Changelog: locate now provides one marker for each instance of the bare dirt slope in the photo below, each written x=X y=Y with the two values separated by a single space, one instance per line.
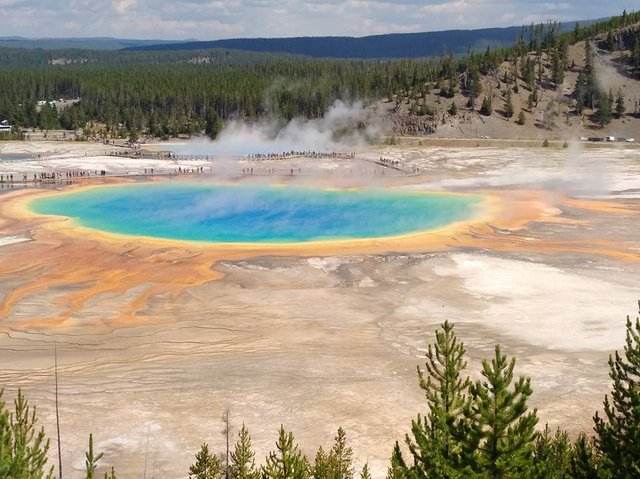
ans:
x=613 y=75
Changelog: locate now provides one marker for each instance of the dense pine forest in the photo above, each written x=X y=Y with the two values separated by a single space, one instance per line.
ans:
x=470 y=429
x=186 y=92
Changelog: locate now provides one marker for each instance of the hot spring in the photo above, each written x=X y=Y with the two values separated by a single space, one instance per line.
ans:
x=256 y=214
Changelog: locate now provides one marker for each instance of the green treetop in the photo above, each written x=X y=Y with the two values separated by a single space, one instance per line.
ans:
x=620 y=106
x=552 y=454
x=23 y=448
x=338 y=463
x=365 y=474
x=605 y=109
x=509 y=109
x=584 y=461
x=501 y=431
x=243 y=465
x=287 y=462
x=487 y=106
x=618 y=431
x=435 y=443
x=207 y=465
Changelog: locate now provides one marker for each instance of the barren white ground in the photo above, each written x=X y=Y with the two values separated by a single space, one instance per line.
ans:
x=320 y=342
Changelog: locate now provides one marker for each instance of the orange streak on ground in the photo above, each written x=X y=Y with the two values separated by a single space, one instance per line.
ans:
x=603 y=206
x=91 y=265
x=485 y=238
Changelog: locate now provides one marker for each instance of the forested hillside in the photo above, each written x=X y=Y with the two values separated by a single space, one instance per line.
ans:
x=398 y=45
x=558 y=85
x=185 y=92
x=395 y=45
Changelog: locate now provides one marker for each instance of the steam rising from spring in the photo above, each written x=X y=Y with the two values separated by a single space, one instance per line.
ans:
x=340 y=129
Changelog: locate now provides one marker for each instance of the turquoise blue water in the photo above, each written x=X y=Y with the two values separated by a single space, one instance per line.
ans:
x=255 y=214
x=15 y=157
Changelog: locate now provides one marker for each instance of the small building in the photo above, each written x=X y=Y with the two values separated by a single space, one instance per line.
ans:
x=5 y=127
x=59 y=104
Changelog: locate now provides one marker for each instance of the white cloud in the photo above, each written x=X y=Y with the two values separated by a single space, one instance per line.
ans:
x=213 y=19
x=377 y=5
x=121 y=6
x=458 y=6
x=554 y=7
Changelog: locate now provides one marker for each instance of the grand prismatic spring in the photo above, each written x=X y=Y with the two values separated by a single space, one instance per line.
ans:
x=254 y=214
x=170 y=300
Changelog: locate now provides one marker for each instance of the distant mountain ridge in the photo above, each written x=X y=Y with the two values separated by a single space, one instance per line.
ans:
x=92 y=43
x=392 y=45
x=384 y=46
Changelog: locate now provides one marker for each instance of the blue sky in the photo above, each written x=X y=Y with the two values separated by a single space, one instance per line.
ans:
x=214 y=19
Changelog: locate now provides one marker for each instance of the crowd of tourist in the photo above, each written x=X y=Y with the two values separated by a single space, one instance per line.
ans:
x=299 y=154
x=159 y=155
x=287 y=170
x=187 y=171
x=389 y=162
x=51 y=176
x=415 y=170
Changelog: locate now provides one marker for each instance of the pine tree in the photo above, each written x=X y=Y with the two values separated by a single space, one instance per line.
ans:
x=620 y=107
x=584 y=464
x=605 y=109
x=398 y=468
x=435 y=445
x=322 y=465
x=243 y=465
x=6 y=439
x=509 y=110
x=557 y=67
x=365 y=474
x=618 y=432
x=23 y=449
x=213 y=125
x=476 y=84
x=451 y=91
x=342 y=457
x=207 y=465
x=287 y=462
x=576 y=32
x=532 y=100
x=48 y=117
x=501 y=431
x=453 y=111
x=521 y=118
x=587 y=92
x=552 y=454
x=487 y=107
x=529 y=74
x=611 y=43
x=473 y=85
x=540 y=69
x=91 y=460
